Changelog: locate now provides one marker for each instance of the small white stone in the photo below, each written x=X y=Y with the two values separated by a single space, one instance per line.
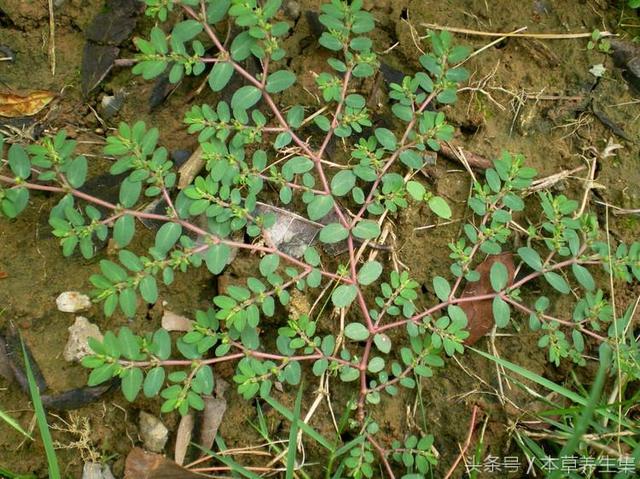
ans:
x=95 y=470
x=72 y=302
x=154 y=434
x=78 y=344
x=174 y=322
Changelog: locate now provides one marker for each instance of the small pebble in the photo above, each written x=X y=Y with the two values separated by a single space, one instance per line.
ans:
x=292 y=9
x=95 y=470
x=175 y=322
x=78 y=344
x=72 y=302
x=153 y=432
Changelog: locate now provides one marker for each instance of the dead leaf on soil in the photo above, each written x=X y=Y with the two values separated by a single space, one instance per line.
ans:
x=214 y=409
x=183 y=438
x=141 y=464
x=13 y=105
x=480 y=313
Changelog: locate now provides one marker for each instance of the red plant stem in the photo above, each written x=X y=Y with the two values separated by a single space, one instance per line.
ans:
x=393 y=157
x=467 y=443
x=518 y=284
x=269 y=101
x=183 y=223
x=383 y=455
x=230 y=357
x=546 y=317
x=316 y=157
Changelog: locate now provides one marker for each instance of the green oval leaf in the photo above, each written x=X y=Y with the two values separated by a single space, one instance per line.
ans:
x=217 y=257
x=441 y=288
x=167 y=236
x=333 y=233
x=440 y=207
x=356 y=331
x=498 y=276
x=531 y=258
x=583 y=276
x=123 y=230
x=366 y=229
x=320 y=207
x=131 y=383
x=343 y=182
x=245 y=97
x=557 y=282
x=369 y=272
x=279 y=81
x=344 y=295
x=501 y=311
x=220 y=75
x=153 y=382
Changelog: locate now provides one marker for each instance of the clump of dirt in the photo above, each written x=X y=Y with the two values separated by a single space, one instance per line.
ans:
x=525 y=95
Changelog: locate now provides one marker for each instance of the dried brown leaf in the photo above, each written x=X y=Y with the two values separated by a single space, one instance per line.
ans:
x=13 y=105
x=183 y=438
x=480 y=313
x=214 y=409
x=141 y=464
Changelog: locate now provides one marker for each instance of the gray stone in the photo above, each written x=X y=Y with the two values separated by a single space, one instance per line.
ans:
x=154 y=434
x=78 y=344
x=95 y=470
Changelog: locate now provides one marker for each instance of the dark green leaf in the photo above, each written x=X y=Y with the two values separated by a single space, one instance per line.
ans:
x=217 y=257
x=279 y=81
x=501 y=311
x=499 y=276
x=153 y=382
x=369 y=272
x=366 y=229
x=558 y=282
x=131 y=383
x=441 y=288
x=220 y=75
x=344 y=295
x=245 y=97
x=167 y=236
x=531 y=258
x=77 y=172
x=356 y=331
x=333 y=233
x=583 y=276
x=319 y=207
x=123 y=230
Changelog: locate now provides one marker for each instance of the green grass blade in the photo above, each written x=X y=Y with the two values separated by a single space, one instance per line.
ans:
x=14 y=424
x=544 y=382
x=45 y=434
x=594 y=397
x=293 y=436
x=312 y=433
x=6 y=474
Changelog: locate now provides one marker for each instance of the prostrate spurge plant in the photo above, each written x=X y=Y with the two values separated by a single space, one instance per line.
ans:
x=247 y=148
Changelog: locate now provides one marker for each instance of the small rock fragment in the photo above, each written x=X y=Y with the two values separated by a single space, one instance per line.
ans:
x=292 y=9
x=153 y=432
x=72 y=302
x=78 y=344
x=174 y=322
x=95 y=470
